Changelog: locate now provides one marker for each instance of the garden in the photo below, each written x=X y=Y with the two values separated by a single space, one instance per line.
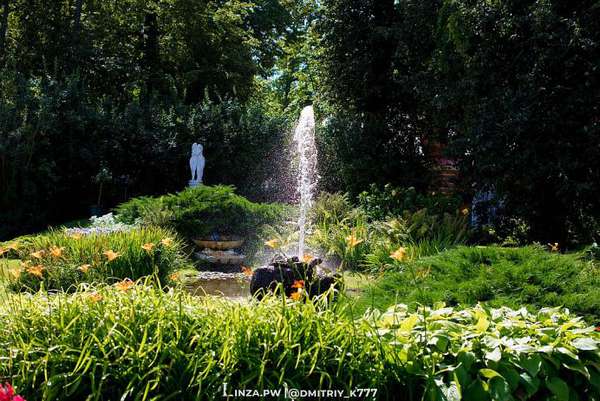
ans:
x=390 y=200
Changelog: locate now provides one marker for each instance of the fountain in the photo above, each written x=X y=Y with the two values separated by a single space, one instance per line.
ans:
x=298 y=274
x=304 y=137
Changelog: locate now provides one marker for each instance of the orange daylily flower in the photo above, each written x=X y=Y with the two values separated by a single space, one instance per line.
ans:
x=352 y=240
x=38 y=254
x=554 y=247
x=307 y=258
x=56 y=252
x=274 y=243
x=36 y=270
x=298 y=284
x=174 y=277
x=84 y=268
x=95 y=297
x=247 y=271
x=296 y=296
x=148 y=247
x=167 y=241
x=399 y=254
x=111 y=255
x=125 y=285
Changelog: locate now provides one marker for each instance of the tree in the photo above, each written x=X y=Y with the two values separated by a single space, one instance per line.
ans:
x=529 y=87
x=4 y=26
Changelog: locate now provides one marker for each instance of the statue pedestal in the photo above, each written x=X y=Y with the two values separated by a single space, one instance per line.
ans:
x=194 y=183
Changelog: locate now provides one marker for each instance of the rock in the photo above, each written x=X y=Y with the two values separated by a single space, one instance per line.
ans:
x=287 y=272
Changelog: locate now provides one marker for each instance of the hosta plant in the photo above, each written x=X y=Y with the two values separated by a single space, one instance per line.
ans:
x=495 y=354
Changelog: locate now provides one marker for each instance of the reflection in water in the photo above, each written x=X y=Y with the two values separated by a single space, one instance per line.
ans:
x=225 y=285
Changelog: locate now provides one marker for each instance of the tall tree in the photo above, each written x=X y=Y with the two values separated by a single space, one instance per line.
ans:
x=4 y=26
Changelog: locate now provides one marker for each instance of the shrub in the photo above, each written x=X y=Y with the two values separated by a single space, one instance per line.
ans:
x=202 y=211
x=360 y=243
x=330 y=208
x=57 y=260
x=144 y=343
x=381 y=203
x=499 y=276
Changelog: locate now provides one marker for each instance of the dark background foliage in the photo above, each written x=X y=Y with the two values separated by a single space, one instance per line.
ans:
x=118 y=91
x=510 y=89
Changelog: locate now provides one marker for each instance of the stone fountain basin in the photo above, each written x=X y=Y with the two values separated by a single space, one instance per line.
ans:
x=228 y=257
x=223 y=243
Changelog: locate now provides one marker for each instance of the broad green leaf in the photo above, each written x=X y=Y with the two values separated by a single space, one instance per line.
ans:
x=482 y=324
x=559 y=388
x=532 y=363
x=466 y=358
x=510 y=374
x=585 y=344
x=531 y=384
x=494 y=355
x=409 y=323
x=499 y=389
x=489 y=373
x=477 y=390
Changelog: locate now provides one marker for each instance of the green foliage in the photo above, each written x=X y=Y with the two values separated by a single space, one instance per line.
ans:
x=495 y=354
x=511 y=87
x=498 y=276
x=69 y=347
x=381 y=203
x=350 y=234
x=330 y=208
x=128 y=86
x=202 y=211
x=187 y=347
x=49 y=178
x=58 y=261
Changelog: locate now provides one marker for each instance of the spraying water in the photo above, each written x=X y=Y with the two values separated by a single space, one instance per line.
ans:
x=304 y=137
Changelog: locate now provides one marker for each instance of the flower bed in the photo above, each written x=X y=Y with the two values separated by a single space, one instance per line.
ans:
x=137 y=342
x=61 y=261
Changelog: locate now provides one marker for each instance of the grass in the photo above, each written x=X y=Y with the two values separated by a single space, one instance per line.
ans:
x=498 y=276
x=145 y=343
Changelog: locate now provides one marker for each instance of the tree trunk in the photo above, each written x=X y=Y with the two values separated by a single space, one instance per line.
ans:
x=3 y=26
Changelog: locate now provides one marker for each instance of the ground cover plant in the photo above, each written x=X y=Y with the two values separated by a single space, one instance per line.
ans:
x=142 y=342
x=61 y=260
x=201 y=212
x=498 y=276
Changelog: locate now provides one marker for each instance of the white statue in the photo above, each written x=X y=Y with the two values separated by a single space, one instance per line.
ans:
x=197 y=165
